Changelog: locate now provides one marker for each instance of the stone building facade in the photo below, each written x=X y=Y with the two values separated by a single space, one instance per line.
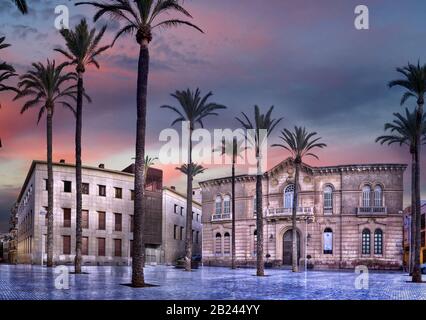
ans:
x=174 y=226
x=346 y=216
x=107 y=215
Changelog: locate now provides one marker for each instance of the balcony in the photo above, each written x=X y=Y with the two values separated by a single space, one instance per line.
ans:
x=372 y=211
x=221 y=217
x=276 y=212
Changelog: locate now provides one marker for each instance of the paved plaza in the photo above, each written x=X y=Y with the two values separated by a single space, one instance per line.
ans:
x=37 y=283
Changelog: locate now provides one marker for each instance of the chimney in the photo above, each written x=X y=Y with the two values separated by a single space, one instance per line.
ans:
x=101 y=166
x=62 y=161
x=173 y=188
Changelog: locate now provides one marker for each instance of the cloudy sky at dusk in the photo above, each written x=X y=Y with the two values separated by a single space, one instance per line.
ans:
x=305 y=57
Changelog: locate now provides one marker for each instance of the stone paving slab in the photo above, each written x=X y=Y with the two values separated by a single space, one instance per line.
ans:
x=25 y=282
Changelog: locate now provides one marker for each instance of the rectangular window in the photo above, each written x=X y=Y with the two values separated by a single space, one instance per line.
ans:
x=85 y=219
x=101 y=247
x=132 y=195
x=67 y=218
x=131 y=222
x=85 y=246
x=66 y=244
x=117 y=222
x=175 y=232
x=118 y=193
x=45 y=184
x=67 y=186
x=181 y=233
x=197 y=237
x=46 y=220
x=181 y=211
x=85 y=188
x=102 y=190
x=101 y=220
x=423 y=239
x=117 y=247
x=176 y=208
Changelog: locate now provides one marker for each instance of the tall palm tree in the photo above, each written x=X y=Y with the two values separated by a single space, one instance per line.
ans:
x=21 y=5
x=403 y=131
x=140 y=17
x=414 y=84
x=232 y=149
x=47 y=85
x=300 y=144
x=193 y=109
x=83 y=50
x=260 y=123
x=6 y=72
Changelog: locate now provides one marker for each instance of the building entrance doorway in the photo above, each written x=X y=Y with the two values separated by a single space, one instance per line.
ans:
x=288 y=247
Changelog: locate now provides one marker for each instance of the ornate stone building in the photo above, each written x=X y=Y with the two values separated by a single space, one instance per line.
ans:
x=347 y=215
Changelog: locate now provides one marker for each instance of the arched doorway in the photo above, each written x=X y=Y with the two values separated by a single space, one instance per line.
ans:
x=288 y=247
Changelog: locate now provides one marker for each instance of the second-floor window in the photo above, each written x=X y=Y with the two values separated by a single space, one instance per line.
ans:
x=67 y=218
x=378 y=196
x=288 y=196
x=366 y=192
x=227 y=205
x=117 y=222
x=328 y=199
x=85 y=219
x=101 y=220
x=218 y=205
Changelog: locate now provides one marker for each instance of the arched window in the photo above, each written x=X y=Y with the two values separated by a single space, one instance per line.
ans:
x=378 y=241
x=366 y=192
x=218 y=244
x=366 y=246
x=378 y=196
x=227 y=205
x=328 y=199
x=328 y=241
x=255 y=242
x=227 y=243
x=218 y=205
x=288 y=196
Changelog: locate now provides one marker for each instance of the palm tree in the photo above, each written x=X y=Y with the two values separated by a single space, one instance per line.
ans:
x=21 y=5
x=232 y=149
x=140 y=17
x=83 y=49
x=300 y=144
x=194 y=109
x=414 y=82
x=6 y=72
x=403 y=131
x=262 y=123
x=45 y=84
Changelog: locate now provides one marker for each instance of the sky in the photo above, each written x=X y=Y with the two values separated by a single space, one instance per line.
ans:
x=304 y=57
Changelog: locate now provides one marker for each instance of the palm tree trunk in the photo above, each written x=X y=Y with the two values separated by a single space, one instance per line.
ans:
x=259 y=223
x=295 y=262
x=413 y=213
x=188 y=234
x=417 y=275
x=138 y=260
x=233 y=211
x=79 y=201
x=49 y=188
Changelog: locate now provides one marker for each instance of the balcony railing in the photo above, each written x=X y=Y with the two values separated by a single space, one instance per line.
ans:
x=219 y=217
x=289 y=211
x=372 y=210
